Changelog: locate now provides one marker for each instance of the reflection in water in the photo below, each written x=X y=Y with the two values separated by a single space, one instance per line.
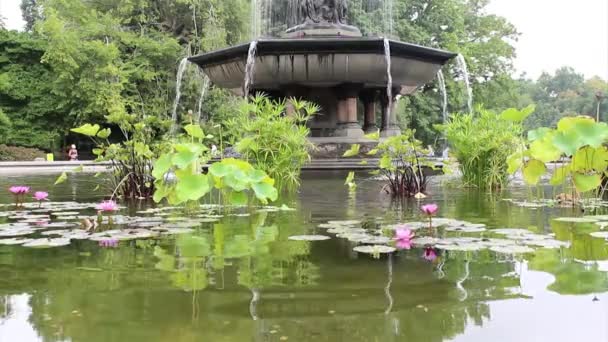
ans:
x=464 y=294
x=387 y=289
x=241 y=279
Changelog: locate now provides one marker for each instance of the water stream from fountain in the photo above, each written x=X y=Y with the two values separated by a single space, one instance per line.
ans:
x=462 y=65
x=183 y=65
x=444 y=96
x=388 y=17
x=249 y=67
x=204 y=89
x=389 y=83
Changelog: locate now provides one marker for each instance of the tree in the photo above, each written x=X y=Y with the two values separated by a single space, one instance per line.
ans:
x=31 y=12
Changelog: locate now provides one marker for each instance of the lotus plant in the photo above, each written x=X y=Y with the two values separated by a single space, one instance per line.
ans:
x=106 y=207
x=41 y=196
x=404 y=237
x=430 y=210
x=19 y=192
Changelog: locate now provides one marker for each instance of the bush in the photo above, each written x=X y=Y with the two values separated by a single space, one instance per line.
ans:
x=482 y=142
x=273 y=141
x=14 y=153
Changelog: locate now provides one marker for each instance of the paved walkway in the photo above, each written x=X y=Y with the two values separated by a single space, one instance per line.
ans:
x=56 y=167
x=44 y=167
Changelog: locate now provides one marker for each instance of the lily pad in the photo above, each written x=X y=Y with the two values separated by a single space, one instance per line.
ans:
x=14 y=241
x=374 y=249
x=510 y=231
x=461 y=247
x=601 y=235
x=425 y=241
x=514 y=249
x=547 y=243
x=345 y=223
x=587 y=219
x=309 y=238
x=466 y=229
x=47 y=243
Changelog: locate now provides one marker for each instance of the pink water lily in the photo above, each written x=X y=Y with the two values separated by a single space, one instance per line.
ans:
x=429 y=254
x=430 y=209
x=19 y=189
x=19 y=192
x=404 y=237
x=107 y=206
x=108 y=243
x=404 y=234
x=41 y=196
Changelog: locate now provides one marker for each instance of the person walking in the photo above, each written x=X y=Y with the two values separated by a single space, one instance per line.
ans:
x=73 y=153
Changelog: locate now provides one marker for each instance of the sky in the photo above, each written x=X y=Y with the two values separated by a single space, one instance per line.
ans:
x=554 y=33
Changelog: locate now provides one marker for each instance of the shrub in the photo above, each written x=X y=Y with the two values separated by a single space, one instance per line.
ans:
x=482 y=143
x=14 y=153
x=273 y=141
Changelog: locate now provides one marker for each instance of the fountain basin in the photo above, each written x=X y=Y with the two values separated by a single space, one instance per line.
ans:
x=323 y=63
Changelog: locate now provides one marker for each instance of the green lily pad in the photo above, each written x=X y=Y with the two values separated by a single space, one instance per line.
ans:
x=309 y=237
x=374 y=249
x=587 y=219
x=515 y=249
x=601 y=235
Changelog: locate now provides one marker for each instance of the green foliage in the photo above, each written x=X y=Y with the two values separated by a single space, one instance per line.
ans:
x=482 y=143
x=236 y=179
x=272 y=140
x=132 y=155
x=402 y=162
x=580 y=138
x=13 y=153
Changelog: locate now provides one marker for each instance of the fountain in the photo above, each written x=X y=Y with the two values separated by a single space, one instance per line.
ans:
x=324 y=60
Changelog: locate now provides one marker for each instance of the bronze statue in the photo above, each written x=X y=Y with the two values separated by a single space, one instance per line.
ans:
x=324 y=11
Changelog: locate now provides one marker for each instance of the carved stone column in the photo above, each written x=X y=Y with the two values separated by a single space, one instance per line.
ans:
x=369 y=99
x=348 y=125
x=389 y=119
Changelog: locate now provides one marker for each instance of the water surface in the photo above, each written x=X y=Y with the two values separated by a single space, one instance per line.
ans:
x=254 y=285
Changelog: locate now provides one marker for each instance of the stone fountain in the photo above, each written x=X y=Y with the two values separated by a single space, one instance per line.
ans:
x=327 y=61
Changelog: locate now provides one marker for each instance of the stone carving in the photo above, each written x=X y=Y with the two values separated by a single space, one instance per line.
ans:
x=324 y=11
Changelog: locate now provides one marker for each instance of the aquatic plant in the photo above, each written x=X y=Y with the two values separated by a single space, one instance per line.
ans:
x=482 y=142
x=235 y=179
x=132 y=156
x=578 y=143
x=273 y=136
x=403 y=161
x=19 y=192
x=41 y=196
x=107 y=206
x=403 y=237
x=430 y=210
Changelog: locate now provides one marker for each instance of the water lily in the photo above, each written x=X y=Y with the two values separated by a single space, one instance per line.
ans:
x=108 y=243
x=430 y=210
x=107 y=206
x=404 y=237
x=41 y=196
x=429 y=254
x=19 y=192
x=19 y=189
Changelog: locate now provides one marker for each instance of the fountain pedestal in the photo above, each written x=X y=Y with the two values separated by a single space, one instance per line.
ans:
x=347 y=125
x=389 y=126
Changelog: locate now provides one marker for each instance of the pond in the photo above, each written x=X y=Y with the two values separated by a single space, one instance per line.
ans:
x=237 y=276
